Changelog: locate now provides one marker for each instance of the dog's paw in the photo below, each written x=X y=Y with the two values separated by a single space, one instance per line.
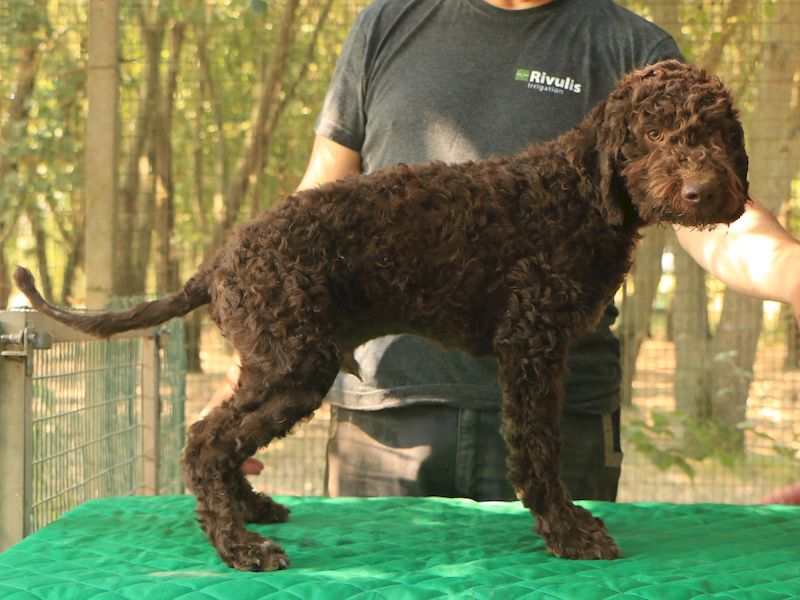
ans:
x=580 y=536
x=256 y=554
x=596 y=545
x=260 y=508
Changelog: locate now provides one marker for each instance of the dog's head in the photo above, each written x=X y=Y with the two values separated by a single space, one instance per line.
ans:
x=669 y=138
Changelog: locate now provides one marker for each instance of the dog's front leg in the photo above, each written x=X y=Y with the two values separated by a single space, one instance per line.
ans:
x=531 y=349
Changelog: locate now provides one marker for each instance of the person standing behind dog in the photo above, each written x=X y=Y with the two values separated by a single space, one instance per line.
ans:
x=457 y=80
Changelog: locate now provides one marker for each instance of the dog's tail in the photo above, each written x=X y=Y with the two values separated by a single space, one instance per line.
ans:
x=103 y=324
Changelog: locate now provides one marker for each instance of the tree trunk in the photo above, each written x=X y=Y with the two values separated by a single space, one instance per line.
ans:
x=667 y=15
x=27 y=59
x=290 y=92
x=638 y=307
x=7 y=227
x=72 y=238
x=167 y=275
x=261 y=117
x=773 y=164
x=136 y=210
x=690 y=333
x=711 y=58
x=221 y=176
x=74 y=258
x=732 y=358
x=40 y=236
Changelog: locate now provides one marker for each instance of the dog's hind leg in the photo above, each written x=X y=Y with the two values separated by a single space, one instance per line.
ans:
x=257 y=507
x=531 y=346
x=264 y=408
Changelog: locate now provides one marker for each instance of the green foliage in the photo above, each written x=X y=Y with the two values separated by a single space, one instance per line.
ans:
x=672 y=439
x=241 y=36
x=676 y=440
x=41 y=137
x=781 y=447
x=736 y=375
x=45 y=147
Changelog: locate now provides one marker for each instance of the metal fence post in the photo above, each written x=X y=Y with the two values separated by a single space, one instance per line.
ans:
x=15 y=428
x=151 y=414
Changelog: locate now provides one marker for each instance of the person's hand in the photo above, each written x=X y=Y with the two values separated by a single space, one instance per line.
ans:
x=252 y=466
x=788 y=495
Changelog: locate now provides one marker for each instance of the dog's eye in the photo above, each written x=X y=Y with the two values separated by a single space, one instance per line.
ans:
x=655 y=135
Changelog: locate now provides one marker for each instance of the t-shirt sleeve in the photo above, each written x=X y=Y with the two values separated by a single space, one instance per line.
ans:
x=342 y=118
x=664 y=50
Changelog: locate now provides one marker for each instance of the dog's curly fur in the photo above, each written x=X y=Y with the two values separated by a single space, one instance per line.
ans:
x=513 y=256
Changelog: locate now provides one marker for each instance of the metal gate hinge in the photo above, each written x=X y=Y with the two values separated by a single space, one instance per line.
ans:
x=25 y=341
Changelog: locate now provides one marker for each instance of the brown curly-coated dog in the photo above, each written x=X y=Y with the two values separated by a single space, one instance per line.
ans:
x=513 y=256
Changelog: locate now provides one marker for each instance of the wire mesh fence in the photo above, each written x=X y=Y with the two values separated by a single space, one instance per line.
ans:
x=172 y=407
x=85 y=422
x=85 y=402
x=671 y=457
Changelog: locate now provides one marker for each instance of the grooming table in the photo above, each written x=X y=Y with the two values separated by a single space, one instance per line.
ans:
x=152 y=548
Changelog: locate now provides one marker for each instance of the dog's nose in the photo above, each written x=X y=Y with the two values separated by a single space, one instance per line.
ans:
x=698 y=191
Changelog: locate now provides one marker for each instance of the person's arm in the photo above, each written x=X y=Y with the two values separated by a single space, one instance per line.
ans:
x=755 y=255
x=327 y=162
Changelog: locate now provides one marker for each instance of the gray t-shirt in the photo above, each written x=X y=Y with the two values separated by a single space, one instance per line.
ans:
x=458 y=80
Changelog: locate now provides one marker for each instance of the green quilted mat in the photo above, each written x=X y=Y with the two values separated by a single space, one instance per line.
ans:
x=151 y=548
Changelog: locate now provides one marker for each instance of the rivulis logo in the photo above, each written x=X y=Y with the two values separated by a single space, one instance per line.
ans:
x=541 y=81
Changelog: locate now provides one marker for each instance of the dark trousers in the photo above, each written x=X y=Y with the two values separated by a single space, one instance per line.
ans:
x=435 y=450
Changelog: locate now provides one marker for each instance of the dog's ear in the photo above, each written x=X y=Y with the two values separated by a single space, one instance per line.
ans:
x=610 y=188
x=611 y=131
x=736 y=141
x=596 y=149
